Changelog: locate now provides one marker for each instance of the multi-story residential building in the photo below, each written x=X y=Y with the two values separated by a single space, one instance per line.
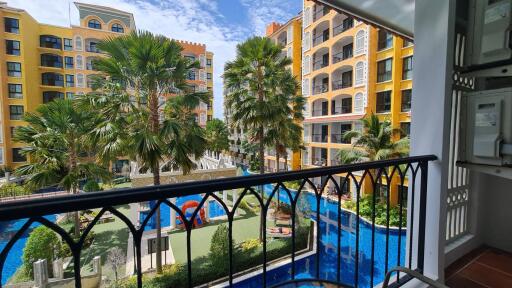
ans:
x=289 y=36
x=41 y=62
x=350 y=70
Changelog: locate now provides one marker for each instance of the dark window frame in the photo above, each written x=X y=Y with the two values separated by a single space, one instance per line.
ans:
x=15 y=91
x=16 y=112
x=69 y=62
x=68 y=44
x=15 y=29
x=17 y=157
x=116 y=27
x=49 y=96
x=383 y=74
x=405 y=103
x=51 y=60
x=10 y=48
x=383 y=101
x=94 y=24
x=68 y=82
x=209 y=76
x=16 y=72
x=56 y=79
x=407 y=66
x=385 y=40
x=209 y=62
x=50 y=41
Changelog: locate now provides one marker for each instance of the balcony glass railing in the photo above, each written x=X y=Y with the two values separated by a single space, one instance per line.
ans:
x=371 y=244
x=322 y=88
x=320 y=64
x=341 y=84
x=342 y=27
x=340 y=56
x=319 y=138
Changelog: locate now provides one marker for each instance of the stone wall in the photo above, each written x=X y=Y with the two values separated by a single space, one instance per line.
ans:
x=177 y=177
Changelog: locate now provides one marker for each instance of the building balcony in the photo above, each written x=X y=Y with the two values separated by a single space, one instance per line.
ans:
x=319 y=138
x=341 y=84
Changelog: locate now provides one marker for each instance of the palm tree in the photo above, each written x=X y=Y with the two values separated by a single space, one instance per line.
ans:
x=253 y=78
x=141 y=71
x=57 y=137
x=217 y=135
x=374 y=143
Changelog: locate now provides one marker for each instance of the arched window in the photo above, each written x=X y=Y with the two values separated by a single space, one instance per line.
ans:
x=307 y=41
x=359 y=73
x=359 y=103
x=80 y=80
x=360 y=42
x=307 y=64
x=78 y=43
x=117 y=28
x=79 y=62
x=94 y=24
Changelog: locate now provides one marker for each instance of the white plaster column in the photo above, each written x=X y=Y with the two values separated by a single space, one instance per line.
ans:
x=173 y=214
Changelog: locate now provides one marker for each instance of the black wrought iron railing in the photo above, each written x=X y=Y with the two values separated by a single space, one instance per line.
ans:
x=348 y=240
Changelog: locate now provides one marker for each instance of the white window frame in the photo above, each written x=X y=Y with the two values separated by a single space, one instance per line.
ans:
x=307 y=64
x=306 y=41
x=289 y=34
x=360 y=48
x=359 y=74
x=79 y=62
x=305 y=87
x=359 y=103
x=79 y=39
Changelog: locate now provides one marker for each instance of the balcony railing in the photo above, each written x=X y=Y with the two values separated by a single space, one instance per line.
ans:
x=346 y=109
x=320 y=64
x=344 y=26
x=364 y=262
x=320 y=38
x=92 y=49
x=319 y=112
x=340 y=56
x=322 y=88
x=338 y=138
x=341 y=84
x=319 y=138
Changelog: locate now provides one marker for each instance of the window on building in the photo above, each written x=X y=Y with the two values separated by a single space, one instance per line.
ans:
x=94 y=24
x=78 y=43
x=49 y=96
x=13 y=130
x=51 y=60
x=12 y=47
x=117 y=28
x=70 y=80
x=407 y=43
x=70 y=95
x=52 y=79
x=14 y=69
x=384 y=72
x=360 y=42
x=385 y=40
x=17 y=156
x=79 y=62
x=405 y=129
x=16 y=112
x=407 y=68
x=384 y=102
x=68 y=62
x=406 y=100
x=209 y=62
x=80 y=80
x=359 y=73
x=209 y=76
x=68 y=44
x=191 y=75
x=50 y=41
x=12 y=25
x=15 y=91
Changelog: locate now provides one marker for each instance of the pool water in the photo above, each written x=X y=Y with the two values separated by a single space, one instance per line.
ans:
x=328 y=249
x=215 y=210
x=14 y=257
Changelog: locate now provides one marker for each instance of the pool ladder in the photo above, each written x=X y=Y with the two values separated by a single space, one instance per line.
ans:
x=413 y=274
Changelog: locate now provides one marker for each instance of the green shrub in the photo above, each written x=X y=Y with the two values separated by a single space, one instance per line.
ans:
x=250 y=244
x=13 y=190
x=43 y=243
x=91 y=186
x=219 y=247
x=366 y=208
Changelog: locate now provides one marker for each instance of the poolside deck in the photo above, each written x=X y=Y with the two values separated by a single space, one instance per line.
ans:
x=481 y=268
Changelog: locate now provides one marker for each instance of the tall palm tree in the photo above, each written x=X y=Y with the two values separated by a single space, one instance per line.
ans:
x=374 y=143
x=57 y=136
x=253 y=78
x=141 y=71
x=217 y=135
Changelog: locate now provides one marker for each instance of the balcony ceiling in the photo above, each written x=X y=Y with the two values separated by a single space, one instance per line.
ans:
x=394 y=15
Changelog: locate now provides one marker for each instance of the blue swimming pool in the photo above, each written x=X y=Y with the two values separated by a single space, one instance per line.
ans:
x=328 y=249
x=14 y=258
x=215 y=210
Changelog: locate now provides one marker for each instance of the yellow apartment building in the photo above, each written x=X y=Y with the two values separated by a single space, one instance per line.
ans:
x=350 y=70
x=41 y=62
x=289 y=36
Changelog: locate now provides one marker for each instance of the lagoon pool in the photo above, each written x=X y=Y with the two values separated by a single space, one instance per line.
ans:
x=14 y=258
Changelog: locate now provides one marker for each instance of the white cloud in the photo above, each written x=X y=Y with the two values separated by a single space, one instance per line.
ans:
x=193 y=21
x=263 y=12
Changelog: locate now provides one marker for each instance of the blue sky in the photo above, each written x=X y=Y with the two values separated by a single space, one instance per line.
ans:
x=220 y=24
